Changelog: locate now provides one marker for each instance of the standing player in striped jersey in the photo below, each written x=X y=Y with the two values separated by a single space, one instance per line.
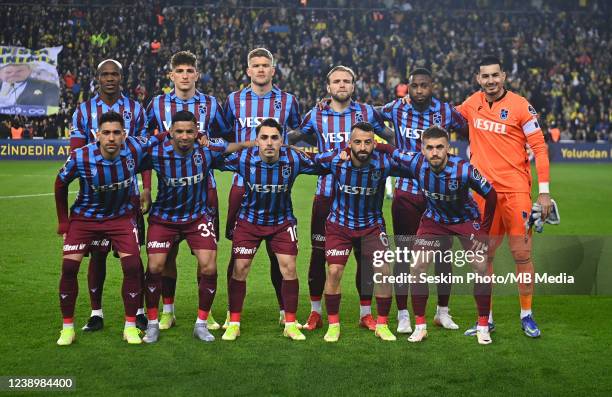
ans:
x=355 y=220
x=268 y=171
x=85 y=123
x=331 y=124
x=182 y=166
x=244 y=110
x=409 y=121
x=104 y=209
x=211 y=122
x=451 y=211
x=501 y=125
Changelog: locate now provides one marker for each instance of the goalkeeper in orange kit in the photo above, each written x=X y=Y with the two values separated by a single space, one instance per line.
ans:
x=501 y=125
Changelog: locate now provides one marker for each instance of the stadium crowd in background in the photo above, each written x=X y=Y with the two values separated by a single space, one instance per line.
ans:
x=558 y=54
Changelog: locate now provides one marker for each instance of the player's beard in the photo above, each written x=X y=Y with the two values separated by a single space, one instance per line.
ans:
x=362 y=156
x=343 y=97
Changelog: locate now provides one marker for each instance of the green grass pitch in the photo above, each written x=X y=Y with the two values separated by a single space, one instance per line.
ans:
x=572 y=356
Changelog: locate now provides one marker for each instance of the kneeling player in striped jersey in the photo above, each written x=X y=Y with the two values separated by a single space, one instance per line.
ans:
x=269 y=171
x=451 y=211
x=103 y=209
x=180 y=210
x=355 y=221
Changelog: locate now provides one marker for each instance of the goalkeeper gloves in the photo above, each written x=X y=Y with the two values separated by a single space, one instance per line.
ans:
x=535 y=218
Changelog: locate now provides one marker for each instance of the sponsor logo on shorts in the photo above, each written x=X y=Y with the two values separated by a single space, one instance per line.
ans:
x=100 y=243
x=75 y=247
x=159 y=244
x=335 y=252
x=245 y=250
x=317 y=237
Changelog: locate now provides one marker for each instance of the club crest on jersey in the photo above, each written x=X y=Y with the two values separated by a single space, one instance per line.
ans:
x=286 y=171
x=130 y=163
x=359 y=117
x=503 y=114
x=376 y=175
x=437 y=118
x=278 y=105
x=202 y=109
x=127 y=115
x=476 y=225
x=453 y=184
x=197 y=158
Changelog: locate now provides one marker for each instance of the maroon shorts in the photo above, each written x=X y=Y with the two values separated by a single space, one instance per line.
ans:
x=121 y=232
x=340 y=240
x=407 y=209
x=104 y=245
x=235 y=201
x=200 y=235
x=320 y=210
x=440 y=235
x=248 y=236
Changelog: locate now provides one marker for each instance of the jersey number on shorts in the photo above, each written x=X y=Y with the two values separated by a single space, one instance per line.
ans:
x=208 y=229
x=292 y=232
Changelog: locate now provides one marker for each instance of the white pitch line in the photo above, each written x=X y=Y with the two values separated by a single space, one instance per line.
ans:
x=32 y=195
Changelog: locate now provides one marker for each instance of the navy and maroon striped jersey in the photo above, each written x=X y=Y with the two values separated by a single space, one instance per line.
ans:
x=182 y=180
x=267 y=198
x=105 y=185
x=86 y=116
x=206 y=109
x=409 y=124
x=357 y=192
x=447 y=193
x=333 y=130
x=244 y=110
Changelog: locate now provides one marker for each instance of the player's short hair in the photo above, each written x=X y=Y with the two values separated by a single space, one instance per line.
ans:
x=341 y=68
x=260 y=52
x=420 y=72
x=110 y=117
x=363 y=126
x=434 y=132
x=184 y=58
x=184 y=115
x=490 y=60
x=113 y=61
x=269 y=123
